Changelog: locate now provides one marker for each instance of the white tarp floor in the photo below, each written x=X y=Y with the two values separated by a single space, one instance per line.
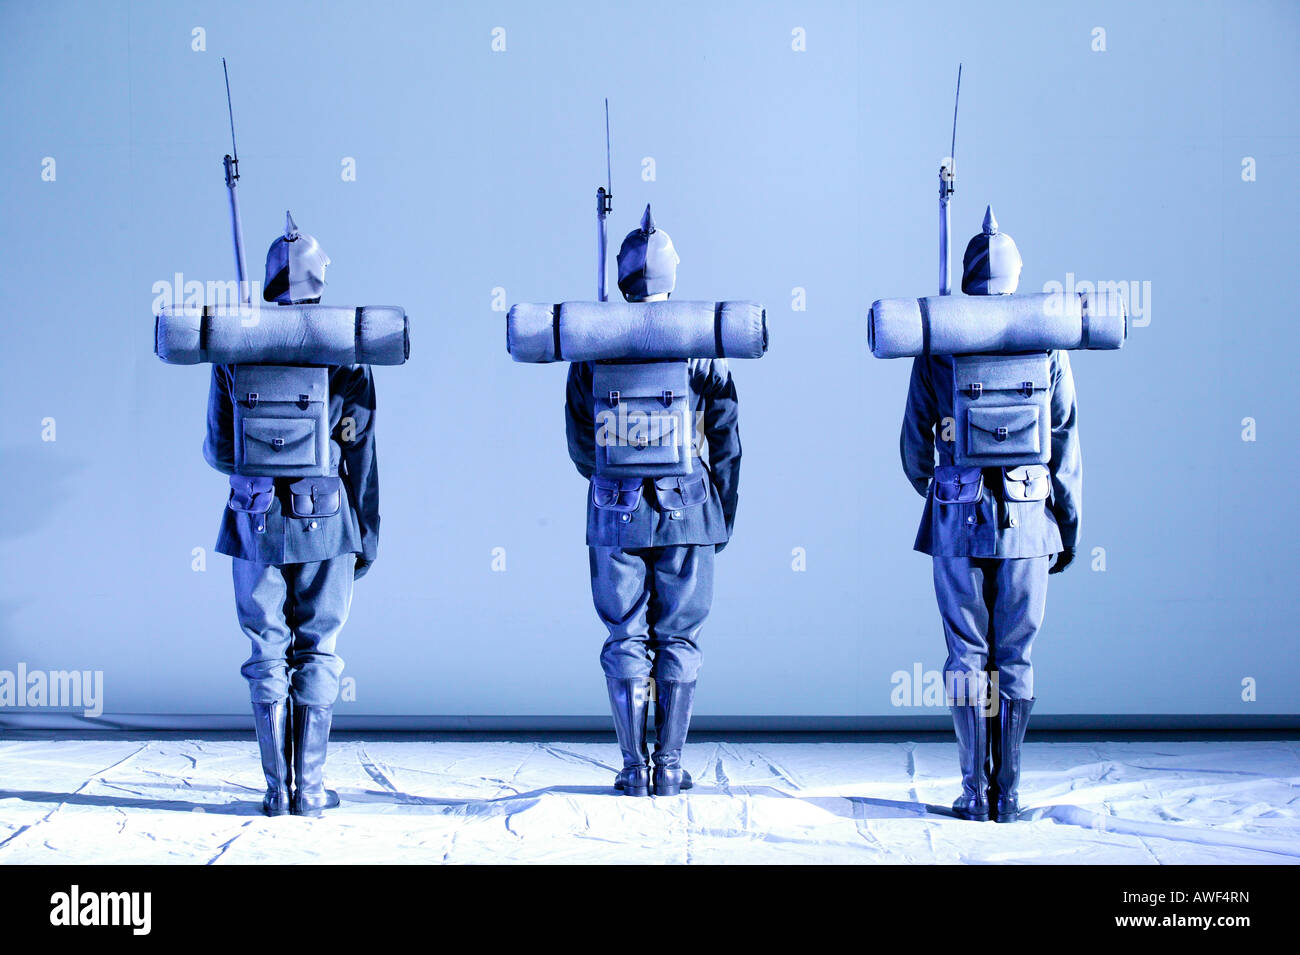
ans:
x=197 y=801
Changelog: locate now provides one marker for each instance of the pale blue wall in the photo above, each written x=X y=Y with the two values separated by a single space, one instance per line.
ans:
x=775 y=169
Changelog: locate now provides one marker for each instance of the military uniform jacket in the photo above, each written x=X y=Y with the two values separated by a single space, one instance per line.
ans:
x=282 y=538
x=658 y=521
x=991 y=526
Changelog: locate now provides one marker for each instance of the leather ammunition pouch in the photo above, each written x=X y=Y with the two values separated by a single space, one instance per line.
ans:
x=251 y=495
x=1029 y=482
x=315 y=497
x=954 y=484
x=622 y=495
x=675 y=493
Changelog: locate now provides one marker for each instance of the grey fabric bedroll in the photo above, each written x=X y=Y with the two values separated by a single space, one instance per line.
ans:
x=989 y=324
x=603 y=331
x=283 y=335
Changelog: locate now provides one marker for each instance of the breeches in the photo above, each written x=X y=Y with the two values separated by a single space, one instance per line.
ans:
x=653 y=601
x=992 y=609
x=292 y=614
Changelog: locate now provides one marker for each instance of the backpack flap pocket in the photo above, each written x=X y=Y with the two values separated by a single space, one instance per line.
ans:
x=315 y=497
x=650 y=440
x=616 y=494
x=251 y=495
x=958 y=485
x=675 y=493
x=279 y=443
x=1003 y=432
x=300 y=385
x=1029 y=482
x=1022 y=375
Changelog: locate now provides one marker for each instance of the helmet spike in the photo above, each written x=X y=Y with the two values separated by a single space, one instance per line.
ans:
x=990 y=221
x=647 y=221
x=290 y=227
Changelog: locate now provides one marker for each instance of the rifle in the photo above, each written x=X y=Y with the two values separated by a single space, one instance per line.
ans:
x=604 y=206
x=232 y=178
x=947 y=186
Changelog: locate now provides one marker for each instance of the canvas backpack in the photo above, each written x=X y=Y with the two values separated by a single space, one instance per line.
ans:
x=643 y=419
x=281 y=421
x=1002 y=409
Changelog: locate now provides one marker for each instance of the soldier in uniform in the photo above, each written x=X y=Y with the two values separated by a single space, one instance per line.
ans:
x=991 y=557
x=293 y=575
x=652 y=567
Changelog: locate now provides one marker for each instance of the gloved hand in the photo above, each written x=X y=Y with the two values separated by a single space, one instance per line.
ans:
x=362 y=566
x=1063 y=560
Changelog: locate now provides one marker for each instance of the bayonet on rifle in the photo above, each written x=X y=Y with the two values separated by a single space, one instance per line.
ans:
x=604 y=206
x=947 y=186
x=232 y=179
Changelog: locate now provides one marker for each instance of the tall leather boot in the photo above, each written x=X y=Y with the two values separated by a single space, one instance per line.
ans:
x=673 y=703
x=628 y=701
x=1004 y=791
x=972 y=750
x=271 y=720
x=311 y=736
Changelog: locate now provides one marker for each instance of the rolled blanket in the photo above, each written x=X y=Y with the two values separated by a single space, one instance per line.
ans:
x=283 y=335
x=602 y=331
x=990 y=324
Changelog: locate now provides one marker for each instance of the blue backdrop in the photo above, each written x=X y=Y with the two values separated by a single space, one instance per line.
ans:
x=791 y=150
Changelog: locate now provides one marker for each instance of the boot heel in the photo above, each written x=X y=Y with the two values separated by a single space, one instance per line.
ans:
x=668 y=788
x=634 y=781
x=278 y=805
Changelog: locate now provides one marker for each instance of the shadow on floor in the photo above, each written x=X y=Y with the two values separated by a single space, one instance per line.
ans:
x=250 y=807
x=848 y=807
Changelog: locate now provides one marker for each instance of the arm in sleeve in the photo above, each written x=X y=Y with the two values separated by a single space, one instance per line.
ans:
x=1067 y=462
x=219 y=444
x=579 y=419
x=722 y=430
x=916 y=441
x=359 y=469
